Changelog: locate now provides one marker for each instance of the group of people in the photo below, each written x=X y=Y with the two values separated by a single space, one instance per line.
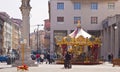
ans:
x=40 y=58
x=49 y=59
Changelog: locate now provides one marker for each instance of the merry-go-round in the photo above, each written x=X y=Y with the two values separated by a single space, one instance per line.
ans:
x=84 y=47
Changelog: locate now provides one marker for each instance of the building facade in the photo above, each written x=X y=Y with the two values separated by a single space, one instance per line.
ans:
x=1 y=35
x=111 y=36
x=7 y=32
x=47 y=34
x=16 y=33
x=37 y=41
x=64 y=15
x=10 y=33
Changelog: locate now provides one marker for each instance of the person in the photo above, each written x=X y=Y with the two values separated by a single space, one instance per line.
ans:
x=110 y=57
x=38 y=57
x=67 y=60
x=42 y=58
x=48 y=58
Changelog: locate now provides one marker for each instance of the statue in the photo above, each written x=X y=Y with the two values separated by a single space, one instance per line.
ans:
x=25 y=3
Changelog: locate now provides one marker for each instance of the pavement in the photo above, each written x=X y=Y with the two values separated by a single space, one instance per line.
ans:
x=105 y=67
x=4 y=65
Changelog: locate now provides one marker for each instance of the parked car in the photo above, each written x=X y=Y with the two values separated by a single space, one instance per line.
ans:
x=3 y=58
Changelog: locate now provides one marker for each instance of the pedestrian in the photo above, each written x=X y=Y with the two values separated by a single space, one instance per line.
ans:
x=110 y=57
x=48 y=58
x=67 y=60
x=42 y=58
x=38 y=58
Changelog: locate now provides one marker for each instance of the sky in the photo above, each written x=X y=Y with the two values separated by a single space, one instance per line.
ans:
x=38 y=13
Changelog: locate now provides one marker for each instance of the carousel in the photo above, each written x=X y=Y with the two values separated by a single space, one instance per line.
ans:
x=84 y=47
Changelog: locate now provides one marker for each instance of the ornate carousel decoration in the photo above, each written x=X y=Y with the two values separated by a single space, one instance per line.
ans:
x=83 y=46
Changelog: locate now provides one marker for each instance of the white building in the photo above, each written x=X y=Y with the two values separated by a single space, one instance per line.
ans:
x=7 y=32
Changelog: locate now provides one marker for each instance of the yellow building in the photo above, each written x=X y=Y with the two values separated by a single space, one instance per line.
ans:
x=16 y=33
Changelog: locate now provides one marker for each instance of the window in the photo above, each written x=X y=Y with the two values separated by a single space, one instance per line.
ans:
x=77 y=6
x=60 y=19
x=60 y=6
x=111 y=5
x=76 y=19
x=94 y=6
x=94 y=20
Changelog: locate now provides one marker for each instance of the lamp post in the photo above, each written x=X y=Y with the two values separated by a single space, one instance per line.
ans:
x=38 y=36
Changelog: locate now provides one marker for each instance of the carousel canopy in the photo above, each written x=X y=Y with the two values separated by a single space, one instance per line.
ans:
x=79 y=32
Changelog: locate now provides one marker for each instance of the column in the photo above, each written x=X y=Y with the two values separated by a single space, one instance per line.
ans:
x=101 y=49
x=116 y=43
x=118 y=28
x=25 y=10
x=109 y=40
x=112 y=40
x=104 y=49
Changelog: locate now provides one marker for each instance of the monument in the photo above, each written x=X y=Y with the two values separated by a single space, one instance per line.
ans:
x=25 y=10
x=25 y=30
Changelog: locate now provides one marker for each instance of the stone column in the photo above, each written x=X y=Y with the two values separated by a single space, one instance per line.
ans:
x=25 y=10
x=118 y=27
x=104 y=48
x=112 y=42
x=109 y=40
x=116 y=42
x=106 y=43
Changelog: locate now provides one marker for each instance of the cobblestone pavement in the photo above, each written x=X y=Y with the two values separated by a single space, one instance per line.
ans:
x=106 y=67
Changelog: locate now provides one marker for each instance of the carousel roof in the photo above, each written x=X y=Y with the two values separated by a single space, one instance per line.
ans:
x=79 y=32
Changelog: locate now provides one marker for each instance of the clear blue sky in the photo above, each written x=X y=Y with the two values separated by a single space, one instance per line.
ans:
x=39 y=11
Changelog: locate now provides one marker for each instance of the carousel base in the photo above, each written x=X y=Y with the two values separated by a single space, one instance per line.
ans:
x=81 y=63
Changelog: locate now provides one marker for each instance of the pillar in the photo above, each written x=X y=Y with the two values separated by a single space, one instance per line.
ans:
x=112 y=40
x=25 y=10
x=103 y=44
x=116 y=43
x=118 y=28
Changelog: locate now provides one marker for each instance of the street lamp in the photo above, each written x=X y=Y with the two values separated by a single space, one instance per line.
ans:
x=38 y=36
